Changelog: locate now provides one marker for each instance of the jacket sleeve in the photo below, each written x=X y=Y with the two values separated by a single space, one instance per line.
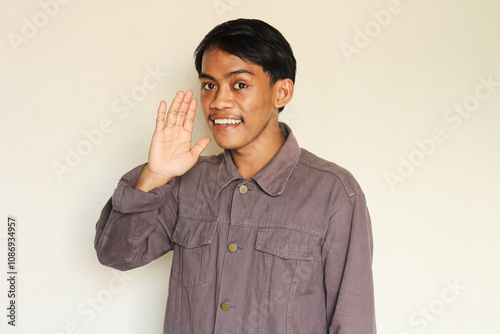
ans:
x=348 y=270
x=135 y=227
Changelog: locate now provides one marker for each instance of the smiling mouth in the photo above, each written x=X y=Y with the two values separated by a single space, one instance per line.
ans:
x=227 y=121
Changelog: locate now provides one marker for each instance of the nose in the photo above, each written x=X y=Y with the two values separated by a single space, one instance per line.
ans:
x=223 y=99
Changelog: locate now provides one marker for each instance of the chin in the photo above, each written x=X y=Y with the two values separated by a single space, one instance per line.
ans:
x=227 y=143
x=226 y=146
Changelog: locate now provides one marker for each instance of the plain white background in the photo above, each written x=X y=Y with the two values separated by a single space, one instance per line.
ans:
x=395 y=91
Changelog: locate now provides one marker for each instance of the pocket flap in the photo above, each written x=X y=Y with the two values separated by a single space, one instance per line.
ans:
x=286 y=244
x=193 y=233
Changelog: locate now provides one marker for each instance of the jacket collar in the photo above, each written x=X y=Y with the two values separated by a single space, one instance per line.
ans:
x=274 y=176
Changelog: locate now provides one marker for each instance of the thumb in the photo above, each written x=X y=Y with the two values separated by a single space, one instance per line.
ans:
x=199 y=147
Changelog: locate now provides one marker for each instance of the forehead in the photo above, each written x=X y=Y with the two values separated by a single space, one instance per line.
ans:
x=216 y=61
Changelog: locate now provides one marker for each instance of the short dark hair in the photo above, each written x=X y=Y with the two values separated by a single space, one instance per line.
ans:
x=255 y=41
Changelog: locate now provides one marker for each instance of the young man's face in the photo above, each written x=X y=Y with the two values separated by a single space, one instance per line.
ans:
x=238 y=101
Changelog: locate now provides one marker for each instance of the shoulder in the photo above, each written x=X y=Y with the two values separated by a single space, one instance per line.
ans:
x=329 y=170
x=204 y=168
x=211 y=159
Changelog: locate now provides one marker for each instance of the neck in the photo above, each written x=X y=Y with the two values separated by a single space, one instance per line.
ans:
x=251 y=160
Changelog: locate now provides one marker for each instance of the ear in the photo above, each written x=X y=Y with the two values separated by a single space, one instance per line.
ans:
x=283 y=92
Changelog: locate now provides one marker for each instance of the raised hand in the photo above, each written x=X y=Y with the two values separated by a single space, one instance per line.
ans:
x=171 y=154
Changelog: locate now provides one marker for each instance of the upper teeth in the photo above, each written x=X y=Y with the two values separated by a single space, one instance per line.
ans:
x=227 y=121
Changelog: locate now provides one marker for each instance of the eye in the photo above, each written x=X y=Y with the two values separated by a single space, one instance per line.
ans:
x=207 y=85
x=239 y=85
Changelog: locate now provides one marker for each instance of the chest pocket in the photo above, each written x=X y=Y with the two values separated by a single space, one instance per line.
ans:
x=193 y=252
x=292 y=259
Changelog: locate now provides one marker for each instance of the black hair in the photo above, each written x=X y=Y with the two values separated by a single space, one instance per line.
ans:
x=255 y=41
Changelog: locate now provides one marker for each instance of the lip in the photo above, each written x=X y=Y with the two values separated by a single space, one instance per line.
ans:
x=225 y=127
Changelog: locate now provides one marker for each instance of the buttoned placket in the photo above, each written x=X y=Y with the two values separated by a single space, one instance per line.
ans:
x=228 y=303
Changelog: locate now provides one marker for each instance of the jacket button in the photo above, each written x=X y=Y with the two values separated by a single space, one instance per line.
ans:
x=232 y=247
x=225 y=306
x=243 y=189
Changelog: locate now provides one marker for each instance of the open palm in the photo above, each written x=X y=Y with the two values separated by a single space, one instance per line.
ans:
x=171 y=154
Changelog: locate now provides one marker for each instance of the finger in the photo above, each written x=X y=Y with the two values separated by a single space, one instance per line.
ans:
x=183 y=108
x=190 y=115
x=160 y=117
x=174 y=109
x=199 y=147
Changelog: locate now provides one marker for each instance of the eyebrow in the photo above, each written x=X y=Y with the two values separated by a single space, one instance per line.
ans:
x=227 y=76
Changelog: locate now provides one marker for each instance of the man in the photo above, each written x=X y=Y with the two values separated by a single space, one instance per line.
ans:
x=267 y=237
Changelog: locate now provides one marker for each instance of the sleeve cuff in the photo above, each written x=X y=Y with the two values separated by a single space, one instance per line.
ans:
x=126 y=199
